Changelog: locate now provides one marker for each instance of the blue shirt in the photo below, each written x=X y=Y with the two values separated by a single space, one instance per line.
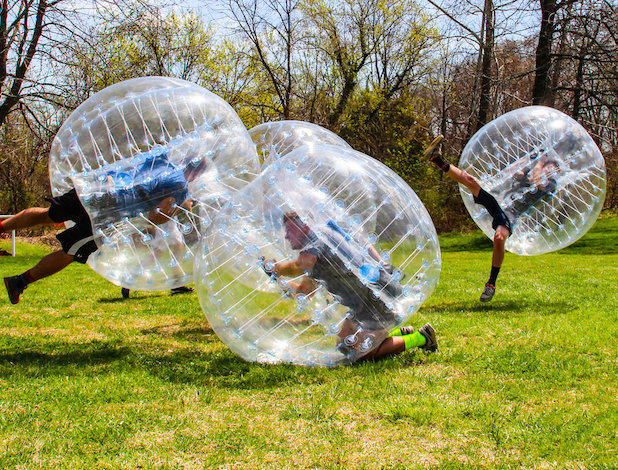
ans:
x=143 y=187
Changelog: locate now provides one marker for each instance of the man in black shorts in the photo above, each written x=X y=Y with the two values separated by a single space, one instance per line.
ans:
x=158 y=187
x=536 y=181
x=77 y=241
x=501 y=223
x=320 y=259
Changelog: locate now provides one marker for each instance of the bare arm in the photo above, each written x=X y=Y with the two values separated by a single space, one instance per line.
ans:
x=159 y=213
x=296 y=267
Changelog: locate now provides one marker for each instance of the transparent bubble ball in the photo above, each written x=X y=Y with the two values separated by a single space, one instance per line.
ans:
x=375 y=248
x=545 y=171
x=276 y=139
x=152 y=160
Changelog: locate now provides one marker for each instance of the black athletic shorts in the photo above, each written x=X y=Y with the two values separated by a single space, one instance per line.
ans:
x=494 y=209
x=500 y=218
x=77 y=240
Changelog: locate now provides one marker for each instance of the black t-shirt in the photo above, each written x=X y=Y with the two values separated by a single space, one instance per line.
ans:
x=337 y=257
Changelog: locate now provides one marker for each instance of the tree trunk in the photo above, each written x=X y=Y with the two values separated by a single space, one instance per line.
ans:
x=541 y=92
x=486 y=68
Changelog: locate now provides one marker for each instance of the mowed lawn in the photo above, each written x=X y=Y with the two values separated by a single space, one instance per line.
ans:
x=528 y=381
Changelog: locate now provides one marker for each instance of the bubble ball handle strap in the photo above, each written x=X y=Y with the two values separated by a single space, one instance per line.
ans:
x=268 y=267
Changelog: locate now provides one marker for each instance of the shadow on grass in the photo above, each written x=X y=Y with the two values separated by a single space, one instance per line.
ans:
x=113 y=300
x=225 y=370
x=505 y=308
x=86 y=355
x=217 y=368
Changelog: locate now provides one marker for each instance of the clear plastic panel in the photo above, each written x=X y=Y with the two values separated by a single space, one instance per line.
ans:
x=377 y=259
x=276 y=139
x=545 y=171
x=153 y=160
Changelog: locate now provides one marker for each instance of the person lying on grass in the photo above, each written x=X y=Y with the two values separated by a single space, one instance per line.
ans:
x=368 y=315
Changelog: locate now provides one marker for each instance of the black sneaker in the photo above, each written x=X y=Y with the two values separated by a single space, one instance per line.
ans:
x=406 y=330
x=431 y=343
x=181 y=290
x=125 y=293
x=15 y=285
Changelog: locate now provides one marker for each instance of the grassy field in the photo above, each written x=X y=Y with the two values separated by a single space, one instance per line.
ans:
x=528 y=381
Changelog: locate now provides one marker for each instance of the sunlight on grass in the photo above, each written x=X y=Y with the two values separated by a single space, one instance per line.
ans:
x=528 y=381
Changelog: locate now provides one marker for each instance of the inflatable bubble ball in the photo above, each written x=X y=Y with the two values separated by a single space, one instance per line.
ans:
x=546 y=173
x=152 y=160
x=316 y=260
x=276 y=139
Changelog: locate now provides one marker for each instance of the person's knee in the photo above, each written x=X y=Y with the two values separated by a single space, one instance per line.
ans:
x=470 y=182
x=306 y=286
x=500 y=236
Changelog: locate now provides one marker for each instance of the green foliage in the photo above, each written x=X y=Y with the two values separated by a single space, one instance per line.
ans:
x=147 y=42
x=526 y=381
x=395 y=132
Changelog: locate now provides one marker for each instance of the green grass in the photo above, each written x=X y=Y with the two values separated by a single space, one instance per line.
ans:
x=527 y=381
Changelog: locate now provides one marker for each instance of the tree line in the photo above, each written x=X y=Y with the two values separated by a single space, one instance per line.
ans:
x=387 y=76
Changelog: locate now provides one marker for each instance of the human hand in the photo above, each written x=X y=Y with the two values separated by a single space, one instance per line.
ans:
x=268 y=266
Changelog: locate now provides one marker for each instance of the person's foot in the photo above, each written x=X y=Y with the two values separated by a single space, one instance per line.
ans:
x=125 y=293
x=402 y=331
x=433 y=150
x=14 y=287
x=181 y=290
x=431 y=343
x=488 y=292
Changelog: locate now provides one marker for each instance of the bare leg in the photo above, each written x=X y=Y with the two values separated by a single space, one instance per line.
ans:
x=51 y=264
x=28 y=218
x=433 y=154
x=464 y=178
x=390 y=346
x=306 y=286
x=502 y=233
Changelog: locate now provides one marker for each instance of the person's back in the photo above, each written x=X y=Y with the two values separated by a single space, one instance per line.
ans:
x=337 y=257
x=145 y=186
x=530 y=186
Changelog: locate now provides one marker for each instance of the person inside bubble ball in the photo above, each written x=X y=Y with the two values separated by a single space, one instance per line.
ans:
x=368 y=315
x=531 y=184
x=160 y=188
x=501 y=223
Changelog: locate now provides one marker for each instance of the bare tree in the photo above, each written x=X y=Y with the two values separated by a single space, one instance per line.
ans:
x=273 y=29
x=22 y=24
